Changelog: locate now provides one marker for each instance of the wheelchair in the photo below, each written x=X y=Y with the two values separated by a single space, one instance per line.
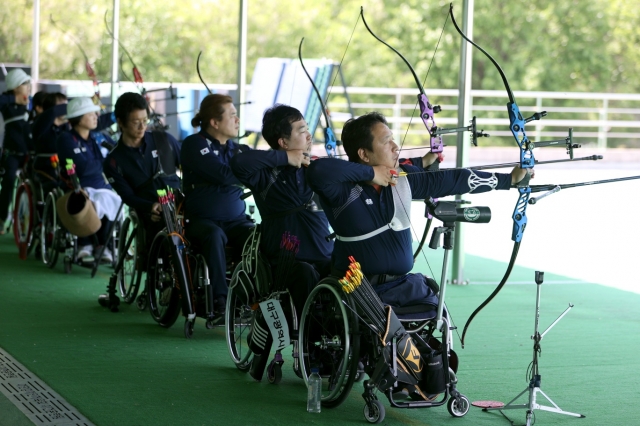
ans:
x=406 y=352
x=24 y=216
x=129 y=266
x=129 y=272
x=56 y=240
x=178 y=277
x=28 y=206
x=252 y=289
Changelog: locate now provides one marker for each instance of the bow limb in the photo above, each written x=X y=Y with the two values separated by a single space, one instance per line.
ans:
x=87 y=65
x=200 y=75
x=427 y=111
x=423 y=240
x=527 y=161
x=514 y=255
x=330 y=143
x=517 y=122
x=137 y=77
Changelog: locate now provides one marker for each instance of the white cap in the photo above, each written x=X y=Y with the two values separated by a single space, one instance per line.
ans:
x=80 y=106
x=16 y=78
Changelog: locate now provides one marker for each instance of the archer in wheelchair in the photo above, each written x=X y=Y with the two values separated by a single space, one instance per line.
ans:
x=209 y=235
x=16 y=134
x=215 y=212
x=178 y=275
x=142 y=163
x=81 y=144
x=368 y=206
x=293 y=229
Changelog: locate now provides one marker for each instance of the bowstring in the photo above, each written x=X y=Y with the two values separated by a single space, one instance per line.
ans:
x=415 y=234
x=407 y=212
x=326 y=100
x=293 y=83
x=341 y=60
x=415 y=107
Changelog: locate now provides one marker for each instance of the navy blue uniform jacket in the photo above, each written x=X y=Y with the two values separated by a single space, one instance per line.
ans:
x=45 y=134
x=17 y=134
x=128 y=169
x=86 y=156
x=355 y=208
x=210 y=188
x=278 y=187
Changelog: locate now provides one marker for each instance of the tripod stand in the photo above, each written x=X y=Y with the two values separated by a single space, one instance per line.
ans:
x=534 y=384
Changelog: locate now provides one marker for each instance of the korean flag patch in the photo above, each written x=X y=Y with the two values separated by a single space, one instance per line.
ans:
x=154 y=153
x=76 y=150
x=204 y=151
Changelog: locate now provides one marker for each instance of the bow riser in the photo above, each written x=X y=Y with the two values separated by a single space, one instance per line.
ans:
x=527 y=159
x=520 y=214
x=426 y=113
x=330 y=142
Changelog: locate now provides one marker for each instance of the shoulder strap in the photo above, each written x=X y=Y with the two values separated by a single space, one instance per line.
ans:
x=401 y=219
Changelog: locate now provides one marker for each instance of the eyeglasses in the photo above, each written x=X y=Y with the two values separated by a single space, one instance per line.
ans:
x=140 y=123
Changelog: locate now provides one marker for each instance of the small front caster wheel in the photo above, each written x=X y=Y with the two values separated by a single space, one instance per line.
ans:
x=141 y=301
x=374 y=411
x=458 y=406
x=274 y=372
x=67 y=265
x=188 y=328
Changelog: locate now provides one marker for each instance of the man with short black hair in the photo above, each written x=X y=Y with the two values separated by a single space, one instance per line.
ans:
x=277 y=179
x=141 y=163
x=368 y=207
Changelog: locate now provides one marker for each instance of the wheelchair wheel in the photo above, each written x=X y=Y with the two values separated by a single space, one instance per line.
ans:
x=329 y=340
x=238 y=319
x=50 y=232
x=374 y=412
x=129 y=244
x=274 y=372
x=162 y=283
x=23 y=218
x=458 y=406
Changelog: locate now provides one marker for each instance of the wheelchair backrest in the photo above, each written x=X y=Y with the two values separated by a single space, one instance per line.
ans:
x=254 y=272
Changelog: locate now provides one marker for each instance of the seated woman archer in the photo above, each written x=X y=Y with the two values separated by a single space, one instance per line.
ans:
x=214 y=211
x=82 y=145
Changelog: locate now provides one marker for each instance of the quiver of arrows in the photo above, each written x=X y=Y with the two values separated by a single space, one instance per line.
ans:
x=402 y=363
x=73 y=177
x=167 y=201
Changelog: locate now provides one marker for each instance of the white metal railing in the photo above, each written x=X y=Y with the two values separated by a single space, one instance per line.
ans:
x=598 y=117
x=590 y=122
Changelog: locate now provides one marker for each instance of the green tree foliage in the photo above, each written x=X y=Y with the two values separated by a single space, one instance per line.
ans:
x=551 y=45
